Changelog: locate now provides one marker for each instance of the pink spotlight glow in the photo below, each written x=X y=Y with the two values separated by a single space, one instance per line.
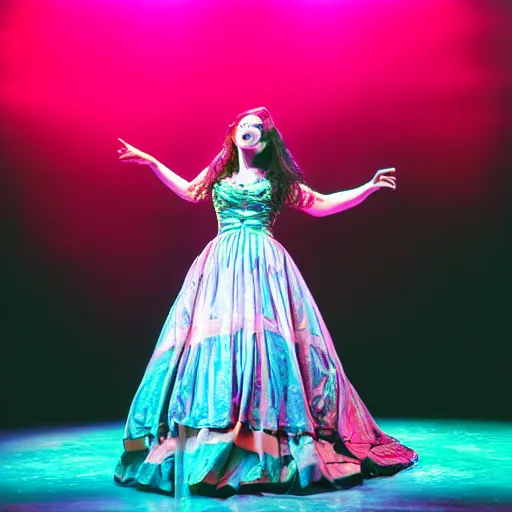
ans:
x=353 y=86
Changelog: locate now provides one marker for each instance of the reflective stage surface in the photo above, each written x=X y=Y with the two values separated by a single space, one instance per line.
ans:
x=464 y=465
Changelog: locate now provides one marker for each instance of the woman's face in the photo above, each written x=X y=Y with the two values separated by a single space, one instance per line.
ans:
x=249 y=132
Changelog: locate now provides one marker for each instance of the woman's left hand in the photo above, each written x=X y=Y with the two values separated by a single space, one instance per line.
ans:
x=383 y=178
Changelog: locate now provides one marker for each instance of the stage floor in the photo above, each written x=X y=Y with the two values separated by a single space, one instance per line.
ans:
x=464 y=465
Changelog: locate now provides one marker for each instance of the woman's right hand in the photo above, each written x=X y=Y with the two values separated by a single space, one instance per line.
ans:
x=129 y=153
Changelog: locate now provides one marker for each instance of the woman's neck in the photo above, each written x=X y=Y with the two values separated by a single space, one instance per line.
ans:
x=246 y=171
x=246 y=168
x=246 y=157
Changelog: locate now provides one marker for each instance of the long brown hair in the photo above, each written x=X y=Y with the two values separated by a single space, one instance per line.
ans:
x=280 y=166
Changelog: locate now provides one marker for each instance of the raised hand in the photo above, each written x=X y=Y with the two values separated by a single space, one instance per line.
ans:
x=129 y=153
x=383 y=178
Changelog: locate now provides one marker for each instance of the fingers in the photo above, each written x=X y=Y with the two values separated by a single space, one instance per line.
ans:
x=386 y=181
x=384 y=171
x=132 y=159
x=123 y=142
x=126 y=153
x=127 y=146
x=129 y=156
x=382 y=178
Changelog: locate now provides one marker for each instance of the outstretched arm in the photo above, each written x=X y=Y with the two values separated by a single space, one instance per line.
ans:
x=177 y=184
x=328 y=204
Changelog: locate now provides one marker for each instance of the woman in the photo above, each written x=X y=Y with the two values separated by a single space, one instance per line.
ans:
x=244 y=391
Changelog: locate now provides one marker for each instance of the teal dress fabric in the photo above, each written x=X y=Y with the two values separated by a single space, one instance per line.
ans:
x=246 y=362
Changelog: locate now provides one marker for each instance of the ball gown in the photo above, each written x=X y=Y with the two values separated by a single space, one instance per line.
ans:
x=245 y=361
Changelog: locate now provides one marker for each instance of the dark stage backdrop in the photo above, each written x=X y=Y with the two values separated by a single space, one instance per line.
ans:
x=412 y=284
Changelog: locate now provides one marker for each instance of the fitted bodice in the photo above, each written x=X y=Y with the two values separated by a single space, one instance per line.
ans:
x=245 y=207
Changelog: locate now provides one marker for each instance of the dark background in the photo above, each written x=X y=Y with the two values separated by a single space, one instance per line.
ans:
x=413 y=284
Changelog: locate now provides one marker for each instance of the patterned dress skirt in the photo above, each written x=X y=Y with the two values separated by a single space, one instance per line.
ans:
x=246 y=369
